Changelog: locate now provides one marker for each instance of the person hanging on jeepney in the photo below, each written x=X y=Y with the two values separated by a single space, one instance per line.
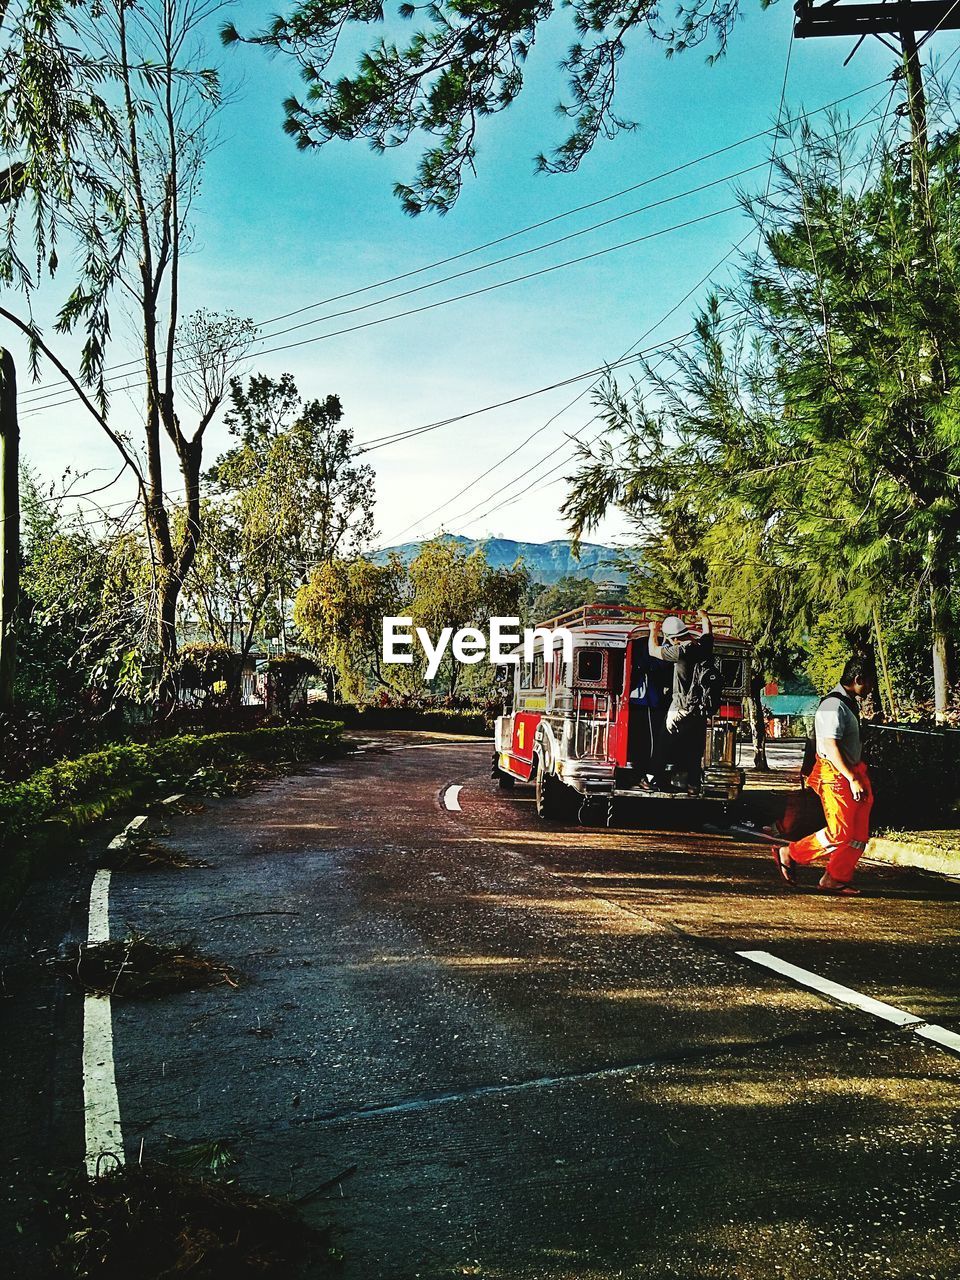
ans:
x=841 y=780
x=649 y=693
x=686 y=723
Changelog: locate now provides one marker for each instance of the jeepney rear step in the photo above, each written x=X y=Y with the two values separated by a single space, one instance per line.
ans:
x=640 y=793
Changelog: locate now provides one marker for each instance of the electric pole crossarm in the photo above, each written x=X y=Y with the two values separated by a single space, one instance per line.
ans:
x=838 y=19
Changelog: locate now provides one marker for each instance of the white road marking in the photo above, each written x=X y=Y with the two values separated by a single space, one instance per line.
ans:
x=940 y=1035
x=846 y=995
x=451 y=799
x=101 y=1106
x=130 y=832
x=98 y=929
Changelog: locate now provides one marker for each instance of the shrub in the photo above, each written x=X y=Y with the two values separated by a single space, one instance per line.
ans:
x=915 y=773
x=284 y=673
x=212 y=670
x=438 y=719
x=64 y=797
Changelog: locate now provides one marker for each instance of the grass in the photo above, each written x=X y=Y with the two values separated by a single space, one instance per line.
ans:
x=42 y=817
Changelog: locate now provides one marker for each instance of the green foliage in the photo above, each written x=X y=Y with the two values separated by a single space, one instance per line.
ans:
x=548 y=601
x=465 y=62
x=286 y=498
x=798 y=465
x=288 y=669
x=65 y=797
x=827 y=651
x=285 y=673
x=83 y=612
x=212 y=670
x=450 y=588
x=916 y=776
x=340 y=613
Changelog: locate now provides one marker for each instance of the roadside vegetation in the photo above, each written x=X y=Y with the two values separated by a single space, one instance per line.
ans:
x=797 y=464
x=156 y=1220
x=42 y=816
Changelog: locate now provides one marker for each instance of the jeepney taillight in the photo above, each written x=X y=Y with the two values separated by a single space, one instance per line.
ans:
x=730 y=711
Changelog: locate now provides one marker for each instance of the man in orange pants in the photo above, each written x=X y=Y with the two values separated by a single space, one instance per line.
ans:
x=841 y=781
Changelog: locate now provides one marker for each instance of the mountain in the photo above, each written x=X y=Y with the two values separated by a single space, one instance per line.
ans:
x=545 y=561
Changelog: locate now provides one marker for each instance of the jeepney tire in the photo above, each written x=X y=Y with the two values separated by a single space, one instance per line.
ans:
x=549 y=794
x=505 y=781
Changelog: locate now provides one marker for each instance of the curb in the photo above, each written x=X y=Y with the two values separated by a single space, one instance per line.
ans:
x=939 y=861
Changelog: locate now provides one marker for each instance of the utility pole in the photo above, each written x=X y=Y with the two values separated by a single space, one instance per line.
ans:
x=9 y=526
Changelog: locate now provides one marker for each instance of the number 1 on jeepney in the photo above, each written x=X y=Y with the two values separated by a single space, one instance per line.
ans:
x=520 y=728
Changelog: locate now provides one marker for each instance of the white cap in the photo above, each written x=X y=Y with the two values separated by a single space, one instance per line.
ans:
x=675 y=628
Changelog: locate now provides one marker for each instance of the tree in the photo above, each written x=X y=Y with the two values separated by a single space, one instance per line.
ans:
x=453 y=589
x=140 y=150
x=50 y=108
x=465 y=62
x=550 y=600
x=9 y=527
x=286 y=498
x=84 y=612
x=340 y=613
x=808 y=444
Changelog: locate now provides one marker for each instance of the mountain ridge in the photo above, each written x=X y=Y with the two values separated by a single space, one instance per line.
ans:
x=546 y=562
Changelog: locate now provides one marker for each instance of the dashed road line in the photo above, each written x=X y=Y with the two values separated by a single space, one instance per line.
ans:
x=98 y=927
x=846 y=995
x=938 y=1035
x=103 y=1139
x=134 y=829
x=451 y=799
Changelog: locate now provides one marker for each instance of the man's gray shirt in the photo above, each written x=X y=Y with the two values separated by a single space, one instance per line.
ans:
x=835 y=720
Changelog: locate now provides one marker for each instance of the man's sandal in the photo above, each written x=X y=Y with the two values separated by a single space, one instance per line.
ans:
x=842 y=890
x=785 y=864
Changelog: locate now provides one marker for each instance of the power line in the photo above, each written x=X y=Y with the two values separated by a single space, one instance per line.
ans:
x=623 y=359
x=460 y=297
x=870 y=115
x=697 y=160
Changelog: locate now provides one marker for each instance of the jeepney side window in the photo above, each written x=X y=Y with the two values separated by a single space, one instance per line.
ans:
x=539 y=672
x=733 y=673
x=589 y=667
x=561 y=671
x=526 y=675
x=618 y=661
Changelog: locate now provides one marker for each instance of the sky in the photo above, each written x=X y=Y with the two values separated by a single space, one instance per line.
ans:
x=277 y=230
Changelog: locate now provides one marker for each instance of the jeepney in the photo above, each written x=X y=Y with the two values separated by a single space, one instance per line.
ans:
x=571 y=729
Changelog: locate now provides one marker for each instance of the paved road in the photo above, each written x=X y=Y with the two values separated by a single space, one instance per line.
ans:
x=533 y=1052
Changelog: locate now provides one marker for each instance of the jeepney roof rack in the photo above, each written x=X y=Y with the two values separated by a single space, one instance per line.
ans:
x=595 y=615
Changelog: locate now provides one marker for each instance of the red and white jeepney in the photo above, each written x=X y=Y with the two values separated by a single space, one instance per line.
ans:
x=569 y=730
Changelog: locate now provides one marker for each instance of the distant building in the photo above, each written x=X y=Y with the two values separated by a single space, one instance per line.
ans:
x=789 y=715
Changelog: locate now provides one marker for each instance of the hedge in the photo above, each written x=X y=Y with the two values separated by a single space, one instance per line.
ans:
x=915 y=774
x=59 y=800
x=429 y=719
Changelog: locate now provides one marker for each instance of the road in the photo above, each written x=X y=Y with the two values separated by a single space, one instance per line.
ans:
x=485 y=1047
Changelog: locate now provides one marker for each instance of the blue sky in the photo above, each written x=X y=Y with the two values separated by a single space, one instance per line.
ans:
x=278 y=230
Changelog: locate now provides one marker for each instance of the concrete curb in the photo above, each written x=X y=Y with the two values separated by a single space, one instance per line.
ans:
x=922 y=857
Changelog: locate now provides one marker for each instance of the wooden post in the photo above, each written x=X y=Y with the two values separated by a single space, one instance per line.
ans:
x=9 y=526
x=917 y=105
